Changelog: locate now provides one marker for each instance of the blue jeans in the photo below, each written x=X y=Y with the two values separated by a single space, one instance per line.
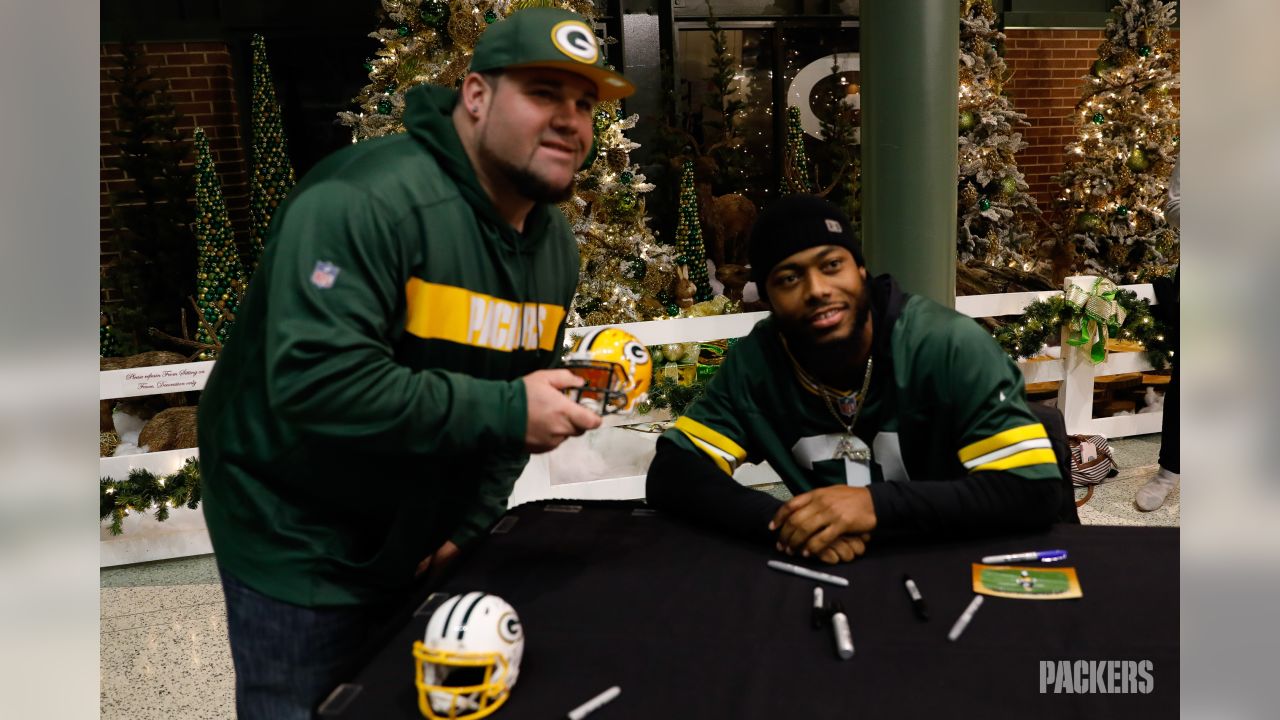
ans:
x=289 y=658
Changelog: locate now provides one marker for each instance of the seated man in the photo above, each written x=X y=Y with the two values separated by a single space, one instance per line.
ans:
x=882 y=411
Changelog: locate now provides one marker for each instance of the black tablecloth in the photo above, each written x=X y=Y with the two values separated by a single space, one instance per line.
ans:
x=694 y=625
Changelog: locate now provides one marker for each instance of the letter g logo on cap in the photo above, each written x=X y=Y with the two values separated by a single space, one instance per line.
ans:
x=575 y=39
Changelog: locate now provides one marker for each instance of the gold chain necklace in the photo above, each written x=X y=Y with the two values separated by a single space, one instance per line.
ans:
x=845 y=449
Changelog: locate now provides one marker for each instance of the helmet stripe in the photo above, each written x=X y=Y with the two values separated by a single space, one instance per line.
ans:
x=462 y=626
x=453 y=604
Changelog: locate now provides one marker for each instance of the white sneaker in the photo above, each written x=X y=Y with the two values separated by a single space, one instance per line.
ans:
x=1151 y=495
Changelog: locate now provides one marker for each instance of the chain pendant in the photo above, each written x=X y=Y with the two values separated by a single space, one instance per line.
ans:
x=845 y=450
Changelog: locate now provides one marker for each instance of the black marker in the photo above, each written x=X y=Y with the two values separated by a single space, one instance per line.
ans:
x=917 y=600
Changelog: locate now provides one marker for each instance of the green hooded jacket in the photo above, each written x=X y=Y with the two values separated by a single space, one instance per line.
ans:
x=368 y=406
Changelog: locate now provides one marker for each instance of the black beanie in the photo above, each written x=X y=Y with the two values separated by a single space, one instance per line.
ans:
x=795 y=223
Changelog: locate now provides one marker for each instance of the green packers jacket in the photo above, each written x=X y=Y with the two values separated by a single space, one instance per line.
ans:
x=368 y=406
x=950 y=441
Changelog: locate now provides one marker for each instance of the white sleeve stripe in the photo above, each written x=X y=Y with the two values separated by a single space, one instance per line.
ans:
x=708 y=447
x=1008 y=450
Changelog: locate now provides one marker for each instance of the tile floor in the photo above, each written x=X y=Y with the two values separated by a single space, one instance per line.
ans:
x=164 y=651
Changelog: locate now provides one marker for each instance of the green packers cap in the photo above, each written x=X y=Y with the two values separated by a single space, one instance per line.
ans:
x=549 y=38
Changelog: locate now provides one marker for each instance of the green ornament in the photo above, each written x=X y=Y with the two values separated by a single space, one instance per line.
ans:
x=673 y=309
x=1008 y=185
x=384 y=107
x=1088 y=222
x=1137 y=160
x=435 y=12
x=602 y=120
x=627 y=201
x=368 y=66
x=635 y=268
x=1102 y=66
x=620 y=115
x=1098 y=118
x=1145 y=51
x=984 y=204
x=491 y=17
x=403 y=31
x=968 y=121
x=1122 y=211
x=626 y=178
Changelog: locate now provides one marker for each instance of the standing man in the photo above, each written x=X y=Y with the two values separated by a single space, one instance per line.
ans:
x=883 y=412
x=388 y=377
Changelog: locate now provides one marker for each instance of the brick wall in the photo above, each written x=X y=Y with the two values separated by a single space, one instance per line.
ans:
x=1047 y=69
x=200 y=84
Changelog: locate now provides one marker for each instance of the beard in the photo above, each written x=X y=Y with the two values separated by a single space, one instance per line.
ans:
x=525 y=182
x=816 y=351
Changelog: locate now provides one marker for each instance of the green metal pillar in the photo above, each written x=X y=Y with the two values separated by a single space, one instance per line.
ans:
x=909 y=66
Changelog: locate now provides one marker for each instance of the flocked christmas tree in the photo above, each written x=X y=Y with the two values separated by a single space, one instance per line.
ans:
x=795 y=177
x=996 y=213
x=624 y=268
x=1116 y=181
x=692 y=254
x=220 y=278
x=272 y=172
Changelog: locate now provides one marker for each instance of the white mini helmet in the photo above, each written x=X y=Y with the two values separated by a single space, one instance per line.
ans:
x=468 y=661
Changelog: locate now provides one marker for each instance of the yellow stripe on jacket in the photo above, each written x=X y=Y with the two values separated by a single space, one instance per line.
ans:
x=444 y=312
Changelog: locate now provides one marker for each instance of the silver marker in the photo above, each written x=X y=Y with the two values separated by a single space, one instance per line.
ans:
x=807 y=573
x=594 y=703
x=965 y=617
x=819 y=614
x=840 y=627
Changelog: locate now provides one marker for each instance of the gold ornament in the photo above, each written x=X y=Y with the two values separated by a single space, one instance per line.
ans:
x=465 y=26
x=969 y=194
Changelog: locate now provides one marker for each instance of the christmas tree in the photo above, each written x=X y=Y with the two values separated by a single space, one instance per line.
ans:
x=272 y=173
x=1116 y=181
x=108 y=343
x=152 y=214
x=796 y=168
x=220 y=277
x=692 y=254
x=995 y=209
x=734 y=169
x=624 y=268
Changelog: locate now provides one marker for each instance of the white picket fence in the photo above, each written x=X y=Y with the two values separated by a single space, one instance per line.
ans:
x=608 y=463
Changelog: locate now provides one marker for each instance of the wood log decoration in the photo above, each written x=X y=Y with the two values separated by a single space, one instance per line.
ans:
x=170 y=429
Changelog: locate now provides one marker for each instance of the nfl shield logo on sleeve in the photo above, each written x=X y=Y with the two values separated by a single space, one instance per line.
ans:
x=324 y=274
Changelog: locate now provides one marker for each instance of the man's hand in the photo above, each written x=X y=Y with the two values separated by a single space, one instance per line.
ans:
x=812 y=523
x=437 y=561
x=552 y=416
x=845 y=548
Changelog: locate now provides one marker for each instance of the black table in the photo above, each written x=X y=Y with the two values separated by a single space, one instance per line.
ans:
x=694 y=625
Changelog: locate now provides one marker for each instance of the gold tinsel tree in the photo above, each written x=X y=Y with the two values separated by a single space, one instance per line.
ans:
x=1116 y=181
x=624 y=269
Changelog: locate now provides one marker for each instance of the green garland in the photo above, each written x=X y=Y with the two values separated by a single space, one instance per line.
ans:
x=667 y=393
x=1044 y=319
x=142 y=490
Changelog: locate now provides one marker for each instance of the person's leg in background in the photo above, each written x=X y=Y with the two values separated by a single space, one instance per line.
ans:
x=289 y=658
x=1152 y=494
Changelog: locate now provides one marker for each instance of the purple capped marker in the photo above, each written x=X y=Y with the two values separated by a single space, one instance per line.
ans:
x=1041 y=555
